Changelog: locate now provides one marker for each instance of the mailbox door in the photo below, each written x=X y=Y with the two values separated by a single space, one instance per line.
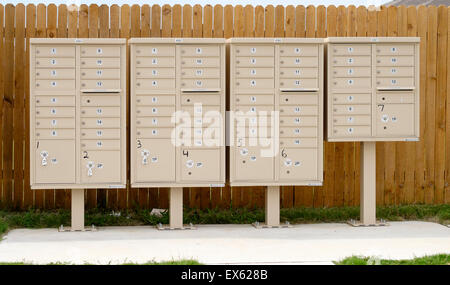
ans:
x=155 y=160
x=253 y=164
x=100 y=167
x=54 y=161
x=298 y=164
x=200 y=164
x=395 y=120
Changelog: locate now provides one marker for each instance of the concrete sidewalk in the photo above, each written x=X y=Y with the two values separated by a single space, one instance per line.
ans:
x=226 y=244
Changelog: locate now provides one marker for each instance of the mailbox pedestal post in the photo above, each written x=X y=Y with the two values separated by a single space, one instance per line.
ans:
x=273 y=206
x=176 y=208
x=77 y=210
x=368 y=183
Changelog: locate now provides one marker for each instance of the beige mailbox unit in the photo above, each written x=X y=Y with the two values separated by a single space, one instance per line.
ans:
x=177 y=115
x=77 y=116
x=372 y=95
x=282 y=78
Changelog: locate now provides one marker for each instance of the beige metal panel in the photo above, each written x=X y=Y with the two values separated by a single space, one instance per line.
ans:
x=352 y=109
x=100 y=122
x=209 y=99
x=155 y=122
x=155 y=72
x=100 y=144
x=155 y=160
x=154 y=84
x=249 y=61
x=100 y=62
x=103 y=100
x=251 y=165
x=350 y=98
x=200 y=62
x=402 y=60
x=298 y=142
x=352 y=120
x=249 y=110
x=299 y=98
x=395 y=97
x=52 y=62
x=44 y=134
x=100 y=51
x=200 y=164
x=199 y=50
x=54 y=101
x=155 y=110
x=297 y=110
x=365 y=71
x=298 y=164
x=155 y=50
x=254 y=131
x=154 y=133
x=100 y=133
x=398 y=71
x=254 y=50
x=200 y=83
x=395 y=120
x=155 y=62
x=351 y=49
x=90 y=73
x=308 y=83
x=54 y=85
x=352 y=61
x=54 y=161
x=305 y=72
x=155 y=100
x=298 y=132
x=55 y=51
x=54 y=112
x=255 y=72
x=395 y=49
x=310 y=61
x=402 y=82
x=100 y=167
x=63 y=123
x=299 y=50
x=55 y=73
x=254 y=99
x=100 y=112
x=100 y=84
x=352 y=83
x=294 y=121
x=248 y=83
x=200 y=73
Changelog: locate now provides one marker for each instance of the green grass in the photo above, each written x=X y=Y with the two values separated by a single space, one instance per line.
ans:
x=101 y=217
x=438 y=259
x=171 y=262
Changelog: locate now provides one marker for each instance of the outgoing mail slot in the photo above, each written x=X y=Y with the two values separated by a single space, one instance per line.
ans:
x=298 y=143
x=266 y=61
x=303 y=83
x=298 y=164
x=401 y=60
x=155 y=100
x=155 y=62
x=256 y=72
x=55 y=133
x=352 y=49
x=199 y=62
x=194 y=50
x=100 y=122
x=100 y=133
x=209 y=99
x=352 y=72
x=293 y=121
x=352 y=61
x=100 y=145
x=155 y=111
x=55 y=51
x=91 y=73
x=253 y=99
x=300 y=132
x=296 y=110
x=358 y=120
x=154 y=84
x=254 y=163
x=157 y=72
x=100 y=62
x=100 y=84
x=304 y=72
x=154 y=133
x=53 y=112
x=299 y=50
x=395 y=120
x=155 y=50
x=63 y=123
x=307 y=61
x=352 y=109
x=395 y=49
x=154 y=122
x=48 y=62
x=101 y=167
x=254 y=83
x=100 y=111
x=299 y=98
x=256 y=50
x=352 y=98
x=55 y=85
x=358 y=82
x=100 y=51
x=55 y=100
x=398 y=82
x=200 y=165
x=200 y=73
x=352 y=131
x=55 y=73
x=54 y=161
x=396 y=71
x=103 y=100
x=200 y=83
x=395 y=97
x=155 y=160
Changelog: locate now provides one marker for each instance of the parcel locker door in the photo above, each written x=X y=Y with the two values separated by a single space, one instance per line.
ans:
x=55 y=161
x=200 y=164
x=155 y=160
x=100 y=167
x=298 y=164
x=393 y=120
x=253 y=164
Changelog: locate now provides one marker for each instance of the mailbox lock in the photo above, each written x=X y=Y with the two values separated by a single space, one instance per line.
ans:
x=44 y=155
x=89 y=166
x=145 y=154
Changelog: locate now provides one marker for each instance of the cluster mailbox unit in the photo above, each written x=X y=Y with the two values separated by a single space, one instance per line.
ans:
x=276 y=125
x=77 y=116
x=372 y=95
x=177 y=115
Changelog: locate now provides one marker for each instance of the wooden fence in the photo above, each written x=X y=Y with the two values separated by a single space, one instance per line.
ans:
x=407 y=172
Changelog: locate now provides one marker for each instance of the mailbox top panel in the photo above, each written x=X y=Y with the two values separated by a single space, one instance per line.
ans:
x=177 y=40
x=78 y=41
x=275 y=40
x=372 y=40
